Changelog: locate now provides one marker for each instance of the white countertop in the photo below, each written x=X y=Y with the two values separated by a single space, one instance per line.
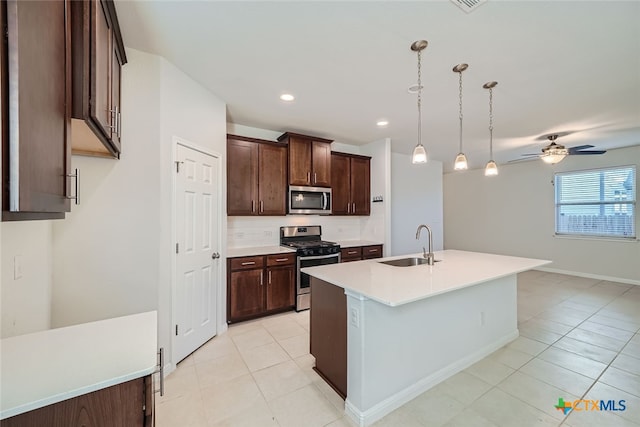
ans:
x=354 y=243
x=395 y=286
x=47 y=367
x=257 y=250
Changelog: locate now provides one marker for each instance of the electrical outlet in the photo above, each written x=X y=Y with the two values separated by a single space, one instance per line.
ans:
x=17 y=267
x=355 y=317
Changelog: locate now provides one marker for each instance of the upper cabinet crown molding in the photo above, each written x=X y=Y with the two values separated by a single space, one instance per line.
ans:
x=309 y=159
x=97 y=57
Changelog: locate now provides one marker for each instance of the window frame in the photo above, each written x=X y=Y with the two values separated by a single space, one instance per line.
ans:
x=582 y=235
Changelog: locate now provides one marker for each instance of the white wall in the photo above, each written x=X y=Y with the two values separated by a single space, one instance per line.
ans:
x=25 y=302
x=377 y=226
x=513 y=214
x=416 y=192
x=113 y=253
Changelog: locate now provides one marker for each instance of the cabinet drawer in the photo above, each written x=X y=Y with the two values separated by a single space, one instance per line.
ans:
x=281 y=259
x=373 y=251
x=246 y=263
x=351 y=254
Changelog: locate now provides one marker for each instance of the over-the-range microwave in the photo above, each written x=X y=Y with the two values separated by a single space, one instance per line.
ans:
x=309 y=200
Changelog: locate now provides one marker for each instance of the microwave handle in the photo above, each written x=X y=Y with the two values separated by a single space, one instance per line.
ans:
x=324 y=201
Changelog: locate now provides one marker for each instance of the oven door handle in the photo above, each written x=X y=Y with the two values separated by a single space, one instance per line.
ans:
x=305 y=258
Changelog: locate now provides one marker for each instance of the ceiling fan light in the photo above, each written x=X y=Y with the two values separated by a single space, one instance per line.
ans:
x=460 y=162
x=491 y=169
x=554 y=155
x=419 y=154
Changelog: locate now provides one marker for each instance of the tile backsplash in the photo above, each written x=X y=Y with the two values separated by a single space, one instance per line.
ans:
x=245 y=232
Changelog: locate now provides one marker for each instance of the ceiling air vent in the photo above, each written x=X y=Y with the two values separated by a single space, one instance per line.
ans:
x=468 y=5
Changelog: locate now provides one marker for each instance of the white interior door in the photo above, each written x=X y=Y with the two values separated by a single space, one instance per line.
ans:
x=197 y=249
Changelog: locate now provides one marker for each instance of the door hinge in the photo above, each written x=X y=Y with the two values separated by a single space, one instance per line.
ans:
x=177 y=248
x=178 y=163
x=176 y=330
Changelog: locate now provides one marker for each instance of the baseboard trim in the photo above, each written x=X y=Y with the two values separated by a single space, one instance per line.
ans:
x=589 y=275
x=376 y=412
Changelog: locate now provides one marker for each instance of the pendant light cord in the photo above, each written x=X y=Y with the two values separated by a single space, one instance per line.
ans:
x=490 y=123
x=419 y=98
x=460 y=104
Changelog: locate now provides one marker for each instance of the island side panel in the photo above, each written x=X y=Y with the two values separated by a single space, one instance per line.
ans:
x=397 y=353
x=328 y=333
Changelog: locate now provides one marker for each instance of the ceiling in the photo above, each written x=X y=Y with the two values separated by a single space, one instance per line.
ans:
x=568 y=67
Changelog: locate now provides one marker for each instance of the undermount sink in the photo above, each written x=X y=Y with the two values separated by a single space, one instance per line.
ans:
x=406 y=262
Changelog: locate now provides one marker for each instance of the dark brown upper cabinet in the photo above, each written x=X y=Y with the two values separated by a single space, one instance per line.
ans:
x=256 y=176
x=98 y=55
x=351 y=184
x=309 y=160
x=35 y=93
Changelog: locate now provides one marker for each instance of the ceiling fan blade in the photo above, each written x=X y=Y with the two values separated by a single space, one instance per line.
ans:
x=575 y=153
x=529 y=154
x=520 y=160
x=580 y=147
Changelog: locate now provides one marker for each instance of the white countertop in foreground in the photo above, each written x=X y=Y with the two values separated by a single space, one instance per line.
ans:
x=47 y=367
x=394 y=286
x=257 y=250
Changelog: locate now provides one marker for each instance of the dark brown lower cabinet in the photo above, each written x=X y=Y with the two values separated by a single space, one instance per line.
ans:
x=129 y=404
x=328 y=333
x=358 y=253
x=260 y=285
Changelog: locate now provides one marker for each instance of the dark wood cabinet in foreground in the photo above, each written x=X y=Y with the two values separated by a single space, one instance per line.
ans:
x=260 y=285
x=129 y=404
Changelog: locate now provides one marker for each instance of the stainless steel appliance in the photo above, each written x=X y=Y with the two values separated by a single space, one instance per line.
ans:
x=311 y=251
x=309 y=200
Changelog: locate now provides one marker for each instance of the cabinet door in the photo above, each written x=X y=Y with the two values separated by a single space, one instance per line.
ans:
x=340 y=185
x=299 y=161
x=272 y=187
x=280 y=288
x=351 y=254
x=372 y=251
x=100 y=91
x=116 y=406
x=242 y=177
x=321 y=170
x=116 y=115
x=360 y=186
x=35 y=112
x=246 y=293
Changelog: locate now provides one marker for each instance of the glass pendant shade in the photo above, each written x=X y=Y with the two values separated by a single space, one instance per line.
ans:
x=491 y=169
x=419 y=154
x=460 y=162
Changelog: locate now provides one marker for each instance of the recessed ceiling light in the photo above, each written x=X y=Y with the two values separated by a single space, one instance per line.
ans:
x=382 y=123
x=287 y=97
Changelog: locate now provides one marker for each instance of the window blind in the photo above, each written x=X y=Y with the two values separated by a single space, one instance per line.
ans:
x=597 y=202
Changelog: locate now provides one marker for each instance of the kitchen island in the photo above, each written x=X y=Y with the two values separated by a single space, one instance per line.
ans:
x=100 y=370
x=382 y=334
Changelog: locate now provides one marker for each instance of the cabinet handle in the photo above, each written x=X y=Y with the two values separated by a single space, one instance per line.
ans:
x=354 y=208
x=261 y=206
x=309 y=177
x=269 y=282
x=249 y=263
x=261 y=278
x=348 y=207
x=315 y=177
x=282 y=259
x=161 y=354
x=352 y=252
x=373 y=250
x=253 y=206
x=75 y=175
x=119 y=122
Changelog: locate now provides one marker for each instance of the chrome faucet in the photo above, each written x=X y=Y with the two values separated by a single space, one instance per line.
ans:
x=428 y=256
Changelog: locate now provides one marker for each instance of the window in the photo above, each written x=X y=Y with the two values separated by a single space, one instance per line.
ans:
x=597 y=202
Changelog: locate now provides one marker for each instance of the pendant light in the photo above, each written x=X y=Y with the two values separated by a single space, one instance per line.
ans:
x=491 y=169
x=419 y=153
x=461 y=160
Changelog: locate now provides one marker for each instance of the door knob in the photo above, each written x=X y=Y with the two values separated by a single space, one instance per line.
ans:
x=215 y=255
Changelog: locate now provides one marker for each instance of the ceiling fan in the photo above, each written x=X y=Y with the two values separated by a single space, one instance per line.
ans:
x=555 y=153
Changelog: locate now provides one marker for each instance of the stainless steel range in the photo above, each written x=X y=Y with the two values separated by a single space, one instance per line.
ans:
x=311 y=250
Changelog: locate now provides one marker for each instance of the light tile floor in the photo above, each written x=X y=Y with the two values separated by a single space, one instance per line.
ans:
x=579 y=339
